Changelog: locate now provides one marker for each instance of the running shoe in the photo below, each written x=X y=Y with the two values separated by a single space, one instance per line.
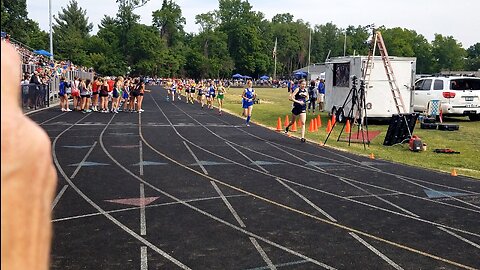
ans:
x=286 y=130
x=141 y=110
x=303 y=140
x=68 y=110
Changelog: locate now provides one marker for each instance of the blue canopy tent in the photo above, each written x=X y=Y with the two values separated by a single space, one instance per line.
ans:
x=265 y=77
x=300 y=74
x=42 y=52
x=237 y=76
x=246 y=77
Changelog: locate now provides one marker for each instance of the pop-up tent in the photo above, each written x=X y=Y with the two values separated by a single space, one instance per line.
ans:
x=264 y=77
x=237 y=76
x=42 y=52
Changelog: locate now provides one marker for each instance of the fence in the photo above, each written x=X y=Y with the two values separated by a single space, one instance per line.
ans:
x=41 y=96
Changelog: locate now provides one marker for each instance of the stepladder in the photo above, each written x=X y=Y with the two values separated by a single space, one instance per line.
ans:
x=379 y=44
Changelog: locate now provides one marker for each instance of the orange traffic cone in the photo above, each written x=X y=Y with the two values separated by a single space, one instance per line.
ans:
x=311 y=128
x=300 y=123
x=294 y=127
x=347 y=127
x=287 y=121
x=334 y=120
x=319 y=121
x=454 y=172
x=279 y=124
x=329 y=126
x=372 y=156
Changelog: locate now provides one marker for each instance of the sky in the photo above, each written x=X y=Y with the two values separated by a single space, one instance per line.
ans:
x=426 y=17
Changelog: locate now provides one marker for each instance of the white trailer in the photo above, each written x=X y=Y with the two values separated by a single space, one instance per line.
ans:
x=378 y=95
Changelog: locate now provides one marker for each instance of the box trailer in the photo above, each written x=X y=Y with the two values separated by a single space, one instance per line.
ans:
x=378 y=95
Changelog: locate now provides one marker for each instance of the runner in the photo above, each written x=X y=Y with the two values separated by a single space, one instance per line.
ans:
x=247 y=101
x=221 y=96
x=95 y=86
x=103 y=96
x=200 y=96
x=299 y=98
x=141 y=88
x=211 y=92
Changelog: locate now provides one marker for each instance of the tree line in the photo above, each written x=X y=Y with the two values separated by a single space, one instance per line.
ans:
x=232 y=39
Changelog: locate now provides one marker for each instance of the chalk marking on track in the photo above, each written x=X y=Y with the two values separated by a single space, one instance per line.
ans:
x=229 y=206
x=245 y=156
x=294 y=156
x=196 y=159
x=143 y=258
x=309 y=168
x=59 y=195
x=373 y=195
x=143 y=222
x=263 y=254
x=99 y=209
x=147 y=206
x=460 y=237
x=83 y=161
x=307 y=201
x=299 y=211
x=376 y=251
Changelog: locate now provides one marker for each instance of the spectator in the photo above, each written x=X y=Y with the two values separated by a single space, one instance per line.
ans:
x=321 y=95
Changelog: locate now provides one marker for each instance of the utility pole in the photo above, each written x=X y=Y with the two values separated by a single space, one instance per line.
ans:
x=309 y=52
x=275 y=57
x=345 y=44
x=51 y=33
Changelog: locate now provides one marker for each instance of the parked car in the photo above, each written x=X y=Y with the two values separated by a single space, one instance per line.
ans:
x=459 y=96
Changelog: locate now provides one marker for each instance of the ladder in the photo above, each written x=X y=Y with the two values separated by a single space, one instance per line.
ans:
x=397 y=97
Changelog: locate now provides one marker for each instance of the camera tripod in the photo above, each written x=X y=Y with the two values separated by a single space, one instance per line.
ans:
x=357 y=112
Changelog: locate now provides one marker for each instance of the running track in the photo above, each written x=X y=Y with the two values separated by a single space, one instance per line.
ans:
x=178 y=187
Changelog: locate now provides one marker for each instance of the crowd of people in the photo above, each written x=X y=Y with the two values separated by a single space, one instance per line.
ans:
x=104 y=95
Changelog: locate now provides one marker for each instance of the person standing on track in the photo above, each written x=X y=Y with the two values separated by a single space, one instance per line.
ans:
x=141 y=93
x=247 y=101
x=299 y=98
x=95 y=86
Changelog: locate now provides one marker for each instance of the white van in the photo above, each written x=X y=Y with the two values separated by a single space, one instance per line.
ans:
x=459 y=96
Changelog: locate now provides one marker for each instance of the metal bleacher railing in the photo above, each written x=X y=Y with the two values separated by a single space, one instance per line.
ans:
x=37 y=96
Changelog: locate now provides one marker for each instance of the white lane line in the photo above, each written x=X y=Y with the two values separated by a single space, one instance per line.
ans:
x=147 y=206
x=245 y=156
x=227 y=203
x=143 y=258
x=281 y=265
x=374 y=195
x=263 y=254
x=377 y=197
x=59 y=195
x=143 y=222
x=292 y=155
x=140 y=147
x=460 y=237
x=83 y=160
x=44 y=122
x=196 y=159
x=99 y=209
x=307 y=201
x=376 y=251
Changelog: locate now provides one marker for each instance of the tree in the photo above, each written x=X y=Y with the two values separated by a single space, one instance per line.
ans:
x=71 y=32
x=473 y=60
x=169 y=21
x=448 y=53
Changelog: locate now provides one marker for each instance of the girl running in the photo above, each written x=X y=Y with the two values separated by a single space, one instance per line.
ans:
x=221 y=96
x=211 y=92
x=299 y=98
x=248 y=97
x=200 y=96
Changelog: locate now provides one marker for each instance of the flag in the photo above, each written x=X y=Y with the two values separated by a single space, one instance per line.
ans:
x=275 y=49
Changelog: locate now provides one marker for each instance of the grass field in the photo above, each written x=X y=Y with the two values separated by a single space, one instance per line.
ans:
x=274 y=103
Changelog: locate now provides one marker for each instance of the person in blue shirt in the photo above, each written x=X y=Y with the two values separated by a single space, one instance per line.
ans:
x=300 y=98
x=248 y=97
x=211 y=93
x=321 y=95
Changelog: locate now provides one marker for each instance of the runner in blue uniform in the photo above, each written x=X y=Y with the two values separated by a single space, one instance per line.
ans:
x=299 y=98
x=247 y=101
x=211 y=92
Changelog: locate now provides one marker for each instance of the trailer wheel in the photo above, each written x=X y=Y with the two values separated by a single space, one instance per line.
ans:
x=474 y=117
x=340 y=115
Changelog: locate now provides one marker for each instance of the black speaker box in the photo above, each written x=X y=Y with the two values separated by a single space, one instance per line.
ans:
x=400 y=128
x=448 y=127
x=428 y=125
x=429 y=120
